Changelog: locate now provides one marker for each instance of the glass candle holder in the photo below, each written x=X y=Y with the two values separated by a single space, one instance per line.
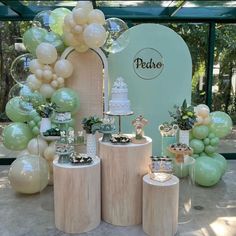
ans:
x=161 y=168
x=168 y=136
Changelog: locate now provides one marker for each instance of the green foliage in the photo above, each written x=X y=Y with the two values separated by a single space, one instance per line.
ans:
x=184 y=116
x=91 y=124
x=46 y=110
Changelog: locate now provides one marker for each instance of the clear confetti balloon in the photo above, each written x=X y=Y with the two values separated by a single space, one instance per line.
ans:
x=117 y=40
x=19 y=90
x=43 y=19
x=20 y=68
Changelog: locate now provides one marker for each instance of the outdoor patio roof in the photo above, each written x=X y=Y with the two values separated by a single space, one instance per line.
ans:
x=178 y=10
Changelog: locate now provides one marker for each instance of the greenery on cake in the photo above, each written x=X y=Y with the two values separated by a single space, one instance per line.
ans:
x=184 y=116
x=91 y=124
x=46 y=110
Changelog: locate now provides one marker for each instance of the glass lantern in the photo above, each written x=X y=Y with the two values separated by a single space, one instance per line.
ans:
x=161 y=168
x=168 y=136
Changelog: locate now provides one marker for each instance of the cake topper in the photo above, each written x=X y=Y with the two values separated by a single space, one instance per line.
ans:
x=139 y=123
x=120 y=84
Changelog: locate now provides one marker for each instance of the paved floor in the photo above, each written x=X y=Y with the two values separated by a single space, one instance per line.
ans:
x=32 y=215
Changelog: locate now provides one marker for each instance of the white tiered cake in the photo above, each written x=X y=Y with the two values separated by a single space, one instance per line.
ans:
x=119 y=103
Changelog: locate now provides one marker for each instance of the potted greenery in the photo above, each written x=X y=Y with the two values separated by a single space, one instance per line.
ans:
x=91 y=125
x=184 y=116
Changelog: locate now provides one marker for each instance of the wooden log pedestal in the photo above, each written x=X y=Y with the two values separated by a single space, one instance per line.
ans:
x=77 y=196
x=160 y=206
x=123 y=167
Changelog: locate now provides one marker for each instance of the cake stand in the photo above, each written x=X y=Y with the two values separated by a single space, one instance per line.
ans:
x=109 y=113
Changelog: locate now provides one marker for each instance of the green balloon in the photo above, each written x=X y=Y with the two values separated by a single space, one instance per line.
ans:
x=221 y=161
x=206 y=141
x=35 y=130
x=15 y=112
x=221 y=123
x=66 y=99
x=207 y=171
x=33 y=37
x=57 y=19
x=56 y=41
x=32 y=124
x=37 y=99
x=197 y=146
x=195 y=156
x=211 y=135
x=210 y=149
x=203 y=154
x=16 y=136
x=214 y=141
x=200 y=131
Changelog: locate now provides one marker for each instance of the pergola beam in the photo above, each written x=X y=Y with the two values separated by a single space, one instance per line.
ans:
x=18 y=7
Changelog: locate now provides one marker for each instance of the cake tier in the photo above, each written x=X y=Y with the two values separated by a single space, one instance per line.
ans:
x=119 y=107
x=119 y=94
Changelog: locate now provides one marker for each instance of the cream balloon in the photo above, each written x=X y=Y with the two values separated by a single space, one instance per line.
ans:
x=77 y=29
x=206 y=120
x=96 y=16
x=82 y=47
x=47 y=75
x=47 y=67
x=46 y=53
x=86 y=5
x=94 y=35
x=34 y=65
x=70 y=39
x=199 y=120
x=69 y=22
x=39 y=73
x=80 y=16
x=29 y=174
x=54 y=84
x=203 y=112
x=49 y=153
x=37 y=146
x=54 y=76
x=46 y=90
x=60 y=80
x=63 y=68
x=33 y=82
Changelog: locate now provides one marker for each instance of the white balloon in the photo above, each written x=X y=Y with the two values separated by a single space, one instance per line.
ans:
x=94 y=35
x=47 y=75
x=46 y=90
x=37 y=146
x=63 y=68
x=33 y=82
x=86 y=5
x=68 y=22
x=49 y=153
x=46 y=53
x=96 y=16
x=29 y=174
x=34 y=65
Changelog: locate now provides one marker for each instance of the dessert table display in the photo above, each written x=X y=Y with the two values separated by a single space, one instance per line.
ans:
x=77 y=196
x=123 y=166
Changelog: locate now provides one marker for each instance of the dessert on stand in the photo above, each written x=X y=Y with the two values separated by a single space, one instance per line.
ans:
x=139 y=123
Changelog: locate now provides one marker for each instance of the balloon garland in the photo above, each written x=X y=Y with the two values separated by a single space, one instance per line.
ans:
x=42 y=82
x=205 y=138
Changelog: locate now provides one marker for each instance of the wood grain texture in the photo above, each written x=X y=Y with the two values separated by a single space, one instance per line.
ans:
x=160 y=206
x=77 y=197
x=123 y=167
x=87 y=80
